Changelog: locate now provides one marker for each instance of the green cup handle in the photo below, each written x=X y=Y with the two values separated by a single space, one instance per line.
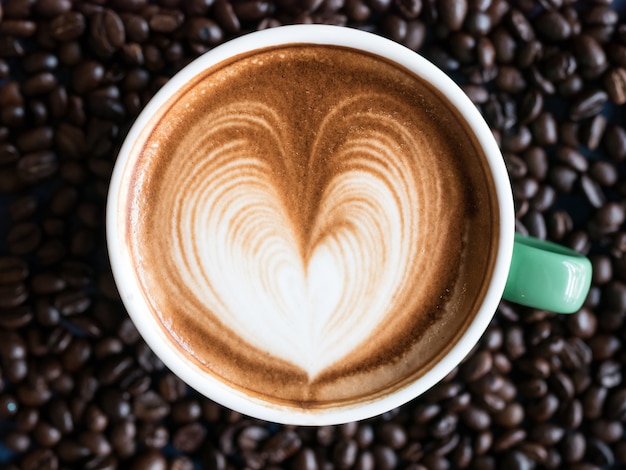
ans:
x=547 y=276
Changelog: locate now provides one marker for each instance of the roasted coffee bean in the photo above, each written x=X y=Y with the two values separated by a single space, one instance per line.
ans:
x=13 y=269
x=571 y=85
x=477 y=366
x=552 y=25
x=601 y=14
x=572 y=158
x=520 y=25
x=511 y=416
x=345 y=454
x=476 y=418
x=452 y=13
x=600 y=453
x=589 y=53
x=615 y=143
x=531 y=106
x=443 y=426
x=537 y=79
x=37 y=166
x=115 y=404
x=185 y=411
x=23 y=238
x=281 y=446
x=615 y=85
x=604 y=173
x=68 y=26
x=18 y=28
x=505 y=46
x=107 y=33
x=588 y=104
x=482 y=442
x=166 y=21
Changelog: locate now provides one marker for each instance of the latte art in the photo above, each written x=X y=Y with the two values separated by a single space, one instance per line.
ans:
x=313 y=234
x=304 y=270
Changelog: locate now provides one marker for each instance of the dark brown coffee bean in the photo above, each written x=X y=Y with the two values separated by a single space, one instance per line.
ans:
x=520 y=25
x=552 y=25
x=476 y=418
x=150 y=407
x=452 y=13
x=52 y=8
x=600 y=453
x=482 y=442
x=39 y=84
x=505 y=45
x=546 y=433
x=588 y=104
x=544 y=129
x=443 y=426
x=345 y=454
x=571 y=85
x=573 y=447
x=604 y=173
x=23 y=238
x=511 y=416
x=385 y=458
x=122 y=437
x=410 y=9
x=614 y=82
x=543 y=199
x=87 y=76
x=68 y=26
x=18 y=28
x=225 y=16
x=615 y=142
x=94 y=418
x=477 y=366
x=601 y=14
x=106 y=33
x=40 y=61
x=10 y=93
x=253 y=10
x=10 y=47
x=395 y=27
x=563 y=178
x=12 y=269
x=589 y=53
x=508 y=439
x=510 y=79
x=281 y=446
x=559 y=66
x=72 y=302
x=166 y=21
x=37 y=166
x=609 y=373
x=115 y=403
x=572 y=158
x=514 y=342
x=533 y=388
x=531 y=106
x=537 y=367
x=542 y=409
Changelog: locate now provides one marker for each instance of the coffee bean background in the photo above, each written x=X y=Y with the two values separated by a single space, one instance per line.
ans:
x=80 y=389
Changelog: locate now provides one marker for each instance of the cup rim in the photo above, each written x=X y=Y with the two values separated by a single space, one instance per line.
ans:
x=207 y=385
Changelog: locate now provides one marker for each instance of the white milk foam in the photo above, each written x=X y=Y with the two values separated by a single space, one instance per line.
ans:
x=308 y=298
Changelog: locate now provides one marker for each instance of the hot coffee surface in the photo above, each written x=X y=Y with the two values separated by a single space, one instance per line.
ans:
x=311 y=224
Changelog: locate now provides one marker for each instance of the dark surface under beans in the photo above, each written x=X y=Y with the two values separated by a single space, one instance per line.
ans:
x=80 y=389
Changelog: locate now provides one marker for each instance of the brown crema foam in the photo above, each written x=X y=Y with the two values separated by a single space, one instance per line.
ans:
x=312 y=225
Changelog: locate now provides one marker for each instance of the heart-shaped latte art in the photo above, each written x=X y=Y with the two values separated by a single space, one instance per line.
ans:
x=305 y=256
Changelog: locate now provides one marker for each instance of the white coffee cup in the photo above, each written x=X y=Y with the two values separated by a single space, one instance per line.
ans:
x=236 y=399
